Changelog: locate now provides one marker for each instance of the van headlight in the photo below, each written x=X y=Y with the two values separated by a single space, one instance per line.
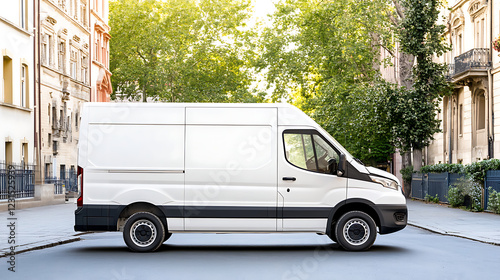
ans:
x=388 y=183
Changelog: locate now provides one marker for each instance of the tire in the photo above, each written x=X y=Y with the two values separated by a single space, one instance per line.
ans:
x=143 y=232
x=356 y=231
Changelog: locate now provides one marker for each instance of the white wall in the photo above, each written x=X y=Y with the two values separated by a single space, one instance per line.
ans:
x=16 y=122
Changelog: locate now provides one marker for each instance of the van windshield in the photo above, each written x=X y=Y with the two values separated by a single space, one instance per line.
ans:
x=336 y=144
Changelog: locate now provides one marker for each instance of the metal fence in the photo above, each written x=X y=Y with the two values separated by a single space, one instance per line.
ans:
x=433 y=184
x=69 y=182
x=492 y=180
x=24 y=177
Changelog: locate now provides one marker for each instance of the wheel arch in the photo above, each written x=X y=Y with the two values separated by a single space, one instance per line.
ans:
x=136 y=207
x=356 y=204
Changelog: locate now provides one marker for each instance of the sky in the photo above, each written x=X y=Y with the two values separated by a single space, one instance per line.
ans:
x=262 y=8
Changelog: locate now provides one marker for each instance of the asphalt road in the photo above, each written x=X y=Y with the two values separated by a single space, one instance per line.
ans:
x=410 y=254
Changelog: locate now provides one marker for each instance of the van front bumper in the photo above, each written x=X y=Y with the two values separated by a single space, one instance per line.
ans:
x=392 y=217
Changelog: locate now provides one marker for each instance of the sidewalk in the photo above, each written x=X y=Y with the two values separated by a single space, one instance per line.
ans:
x=38 y=227
x=478 y=226
x=46 y=226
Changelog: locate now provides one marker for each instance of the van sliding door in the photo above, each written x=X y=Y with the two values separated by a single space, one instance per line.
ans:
x=231 y=169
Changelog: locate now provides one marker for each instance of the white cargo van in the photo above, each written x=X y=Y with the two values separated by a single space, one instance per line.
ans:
x=151 y=170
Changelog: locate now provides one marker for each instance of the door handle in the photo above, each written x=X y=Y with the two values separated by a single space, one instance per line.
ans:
x=289 y=179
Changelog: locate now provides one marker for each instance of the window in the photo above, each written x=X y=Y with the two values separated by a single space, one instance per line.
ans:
x=72 y=63
x=23 y=14
x=96 y=46
x=62 y=56
x=83 y=11
x=8 y=152
x=7 y=80
x=48 y=171
x=309 y=151
x=480 y=105
x=24 y=86
x=61 y=120
x=461 y=119
x=459 y=44
x=84 y=67
x=479 y=26
x=54 y=117
x=44 y=49
x=54 y=147
x=62 y=171
x=24 y=154
x=76 y=120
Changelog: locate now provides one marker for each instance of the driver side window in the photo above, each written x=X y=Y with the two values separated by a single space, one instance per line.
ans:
x=308 y=151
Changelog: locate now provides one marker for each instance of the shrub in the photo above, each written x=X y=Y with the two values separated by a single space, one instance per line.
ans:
x=477 y=170
x=466 y=186
x=443 y=167
x=494 y=201
x=430 y=198
x=406 y=172
x=455 y=197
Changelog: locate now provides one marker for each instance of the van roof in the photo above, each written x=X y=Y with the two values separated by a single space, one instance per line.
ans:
x=182 y=105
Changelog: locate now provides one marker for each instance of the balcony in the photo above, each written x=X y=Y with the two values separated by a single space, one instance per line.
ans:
x=474 y=63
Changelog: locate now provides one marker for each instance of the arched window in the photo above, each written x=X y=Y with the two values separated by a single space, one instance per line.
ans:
x=480 y=111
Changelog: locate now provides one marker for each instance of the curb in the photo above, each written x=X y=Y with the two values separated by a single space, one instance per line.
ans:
x=39 y=245
x=454 y=234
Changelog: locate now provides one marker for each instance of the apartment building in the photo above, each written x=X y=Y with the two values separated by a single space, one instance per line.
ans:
x=471 y=115
x=17 y=83
x=64 y=70
x=101 y=76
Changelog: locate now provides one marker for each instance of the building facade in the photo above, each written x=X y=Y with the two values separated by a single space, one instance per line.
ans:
x=73 y=66
x=471 y=115
x=17 y=83
x=101 y=76
x=64 y=69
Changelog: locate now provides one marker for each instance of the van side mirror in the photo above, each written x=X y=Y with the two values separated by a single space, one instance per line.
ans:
x=341 y=166
x=332 y=166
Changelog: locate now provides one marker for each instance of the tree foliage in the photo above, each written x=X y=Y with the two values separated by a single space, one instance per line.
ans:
x=324 y=57
x=414 y=110
x=181 y=50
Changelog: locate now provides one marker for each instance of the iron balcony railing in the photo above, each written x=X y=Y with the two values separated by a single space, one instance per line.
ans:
x=475 y=59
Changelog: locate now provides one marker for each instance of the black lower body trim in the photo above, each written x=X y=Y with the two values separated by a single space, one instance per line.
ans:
x=392 y=217
x=97 y=217
x=105 y=217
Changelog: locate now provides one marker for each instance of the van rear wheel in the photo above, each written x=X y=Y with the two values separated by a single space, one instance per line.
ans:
x=356 y=231
x=143 y=232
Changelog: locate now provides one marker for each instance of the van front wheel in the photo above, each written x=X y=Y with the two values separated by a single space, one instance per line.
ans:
x=356 y=231
x=143 y=232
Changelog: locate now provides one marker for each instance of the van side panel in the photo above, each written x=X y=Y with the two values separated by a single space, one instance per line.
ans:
x=129 y=162
x=231 y=163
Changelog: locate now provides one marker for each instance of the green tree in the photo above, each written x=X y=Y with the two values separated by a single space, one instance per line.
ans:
x=413 y=111
x=181 y=51
x=324 y=57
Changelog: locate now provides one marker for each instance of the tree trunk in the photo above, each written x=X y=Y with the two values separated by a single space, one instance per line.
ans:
x=406 y=160
x=406 y=62
x=417 y=159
